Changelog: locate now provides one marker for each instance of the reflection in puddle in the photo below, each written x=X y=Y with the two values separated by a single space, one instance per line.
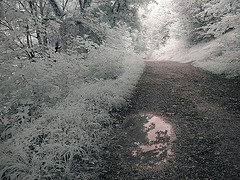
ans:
x=156 y=147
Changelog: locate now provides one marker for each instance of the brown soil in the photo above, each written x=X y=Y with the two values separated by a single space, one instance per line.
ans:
x=204 y=110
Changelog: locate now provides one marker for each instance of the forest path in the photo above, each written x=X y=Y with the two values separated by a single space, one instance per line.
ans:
x=204 y=110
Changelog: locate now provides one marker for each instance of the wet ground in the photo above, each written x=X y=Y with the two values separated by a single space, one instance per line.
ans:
x=182 y=123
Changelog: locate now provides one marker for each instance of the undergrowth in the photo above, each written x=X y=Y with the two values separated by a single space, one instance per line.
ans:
x=55 y=118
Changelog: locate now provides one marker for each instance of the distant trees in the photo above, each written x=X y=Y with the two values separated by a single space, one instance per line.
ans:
x=156 y=21
x=126 y=11
x=208 y=19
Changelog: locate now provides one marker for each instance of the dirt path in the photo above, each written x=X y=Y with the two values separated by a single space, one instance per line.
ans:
x=204 y=111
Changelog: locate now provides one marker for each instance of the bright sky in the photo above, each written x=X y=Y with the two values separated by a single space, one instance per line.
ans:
x=157 y=10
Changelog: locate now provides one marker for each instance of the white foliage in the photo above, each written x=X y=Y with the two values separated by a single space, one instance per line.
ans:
x=219 y=56
x=156 y=19
x=65 y=139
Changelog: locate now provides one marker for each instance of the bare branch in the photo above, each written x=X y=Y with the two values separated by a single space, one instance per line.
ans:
x=55 y=7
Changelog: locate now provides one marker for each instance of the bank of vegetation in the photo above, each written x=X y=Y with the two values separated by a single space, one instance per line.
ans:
x=64 y=66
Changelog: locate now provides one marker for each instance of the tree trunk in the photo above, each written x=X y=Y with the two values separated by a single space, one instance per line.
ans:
x=55 y=7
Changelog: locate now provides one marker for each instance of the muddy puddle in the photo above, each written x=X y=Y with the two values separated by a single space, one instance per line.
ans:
x=148 y=139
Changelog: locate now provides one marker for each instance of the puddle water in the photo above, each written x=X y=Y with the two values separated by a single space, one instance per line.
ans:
x=152 y=145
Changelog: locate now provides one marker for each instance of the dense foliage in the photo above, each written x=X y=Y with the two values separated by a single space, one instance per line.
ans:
x=156 y=21
x=205 y=33
x=208 y=19
x=64 y=66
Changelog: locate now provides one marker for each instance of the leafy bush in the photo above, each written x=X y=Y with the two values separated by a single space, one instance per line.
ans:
x=55 y=111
